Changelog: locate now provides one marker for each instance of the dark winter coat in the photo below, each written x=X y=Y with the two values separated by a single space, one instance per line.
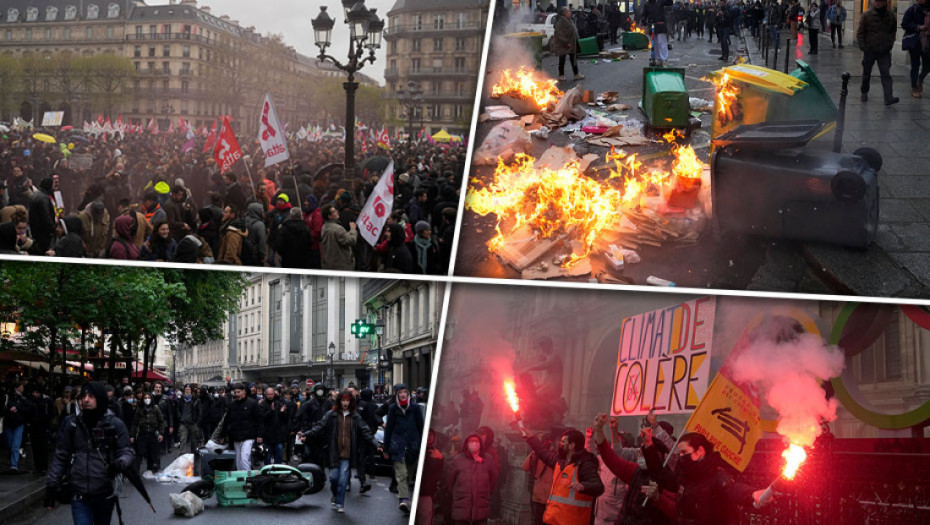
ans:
x=23 y=410
x=876 y=33
x=243 y=420
x=328 y=429
x=276 y=424
x=586 y=466
x=147 y=419
x=403 y=431
x=295 y=243
x=565 y=39
x=168 y=411
x=89 y=463
x=121 y=246
x=472 y=483
x=654 y=14
x=236 y=197
x=398 y=258
x=41 y=221
x=255 y=223
x=196 y=413
x=708 y=481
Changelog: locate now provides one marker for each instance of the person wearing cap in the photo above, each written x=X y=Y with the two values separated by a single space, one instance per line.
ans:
x=95 y=445
x=403 y=431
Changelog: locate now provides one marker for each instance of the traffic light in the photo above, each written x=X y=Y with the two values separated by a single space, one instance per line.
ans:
x=361 y=329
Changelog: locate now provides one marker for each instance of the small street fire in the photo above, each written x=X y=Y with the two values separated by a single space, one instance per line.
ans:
x=564 y=203
x=728 y=105
x=528 y=85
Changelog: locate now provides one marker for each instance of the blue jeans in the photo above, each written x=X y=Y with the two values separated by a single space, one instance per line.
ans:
x=339 y=480
x=14 y=439
x=92 y=511
x=275 y=454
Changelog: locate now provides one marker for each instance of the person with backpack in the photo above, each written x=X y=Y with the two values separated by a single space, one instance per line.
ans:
x=255 y=224
x=121 y=246
x=95 y=447
x=274 y=219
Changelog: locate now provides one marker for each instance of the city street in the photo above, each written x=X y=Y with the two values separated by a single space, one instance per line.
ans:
x=377 y=505
x=739 y=261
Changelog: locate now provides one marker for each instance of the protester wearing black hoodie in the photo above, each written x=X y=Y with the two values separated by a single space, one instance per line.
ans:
x=295 y=242
x=398 y=258
x=95 y=445
x=42 y=220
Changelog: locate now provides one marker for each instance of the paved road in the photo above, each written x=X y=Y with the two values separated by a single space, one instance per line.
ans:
x=738 y=262
x=377 y=506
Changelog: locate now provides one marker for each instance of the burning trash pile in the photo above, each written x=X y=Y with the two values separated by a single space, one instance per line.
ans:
x=526 y=91
x=550 y=204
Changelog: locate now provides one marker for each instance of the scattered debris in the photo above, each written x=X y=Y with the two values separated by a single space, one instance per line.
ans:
x=503 y=142
x=500 y=113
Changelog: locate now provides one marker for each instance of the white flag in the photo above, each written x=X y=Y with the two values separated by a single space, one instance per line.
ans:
x=378 y=208
x=271 y=135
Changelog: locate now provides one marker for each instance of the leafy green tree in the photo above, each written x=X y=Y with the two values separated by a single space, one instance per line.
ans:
x=10 y=72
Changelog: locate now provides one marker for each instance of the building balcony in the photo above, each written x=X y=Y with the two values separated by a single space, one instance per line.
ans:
x=159 y=93
x=153 y=72
x=391 y=73
x=422 y=30
x=426 y=72
x=169 y=37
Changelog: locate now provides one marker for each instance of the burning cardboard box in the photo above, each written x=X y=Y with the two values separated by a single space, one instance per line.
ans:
x=526 y=91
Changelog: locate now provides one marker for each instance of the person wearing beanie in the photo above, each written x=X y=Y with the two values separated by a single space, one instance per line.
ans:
x=424 y=249
x=402 y=433
x=95 y=445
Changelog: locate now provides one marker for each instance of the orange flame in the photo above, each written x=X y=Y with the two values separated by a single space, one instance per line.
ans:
x=190 y=471
x=528 y=85
x=727 y=103
x=794 y=456
x=512 y=398
x=564 y=201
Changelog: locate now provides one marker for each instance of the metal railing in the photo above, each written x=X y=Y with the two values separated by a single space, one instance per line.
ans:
x=170 y=36
x=428 y=27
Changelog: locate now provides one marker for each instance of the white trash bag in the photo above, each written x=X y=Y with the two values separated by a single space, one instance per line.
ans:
x=177 y=470
x=186 y=504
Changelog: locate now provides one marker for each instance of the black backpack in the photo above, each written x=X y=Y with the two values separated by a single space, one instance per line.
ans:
x=250 y=254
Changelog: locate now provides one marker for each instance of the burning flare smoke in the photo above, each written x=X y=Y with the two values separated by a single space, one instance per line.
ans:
x=527 y=84
x=789 y=375
x=512 y=399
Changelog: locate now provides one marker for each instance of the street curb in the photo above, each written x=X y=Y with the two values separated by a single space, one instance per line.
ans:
x=24 y=499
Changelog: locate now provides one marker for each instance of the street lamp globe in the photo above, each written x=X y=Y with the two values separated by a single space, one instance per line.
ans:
x=358 y=21
x=323 y=29
x=332 y=348
x=375 y=28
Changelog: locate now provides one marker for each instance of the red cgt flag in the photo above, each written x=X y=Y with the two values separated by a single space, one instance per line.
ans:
x=211 y=138
x=227 y=151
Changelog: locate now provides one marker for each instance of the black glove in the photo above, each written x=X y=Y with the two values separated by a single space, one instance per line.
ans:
x=113 y=470
x=51 y=491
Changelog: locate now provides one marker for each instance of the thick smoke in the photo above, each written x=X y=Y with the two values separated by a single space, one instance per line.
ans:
x=789 y=368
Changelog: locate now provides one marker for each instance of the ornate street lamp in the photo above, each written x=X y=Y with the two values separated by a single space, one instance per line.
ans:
x=365 y=30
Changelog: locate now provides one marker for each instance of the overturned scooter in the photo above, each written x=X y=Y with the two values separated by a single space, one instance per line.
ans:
x=272 y=484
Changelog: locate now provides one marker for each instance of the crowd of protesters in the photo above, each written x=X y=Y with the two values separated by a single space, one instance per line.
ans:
x=263 y=423
x=600 y=477
x=138 y=197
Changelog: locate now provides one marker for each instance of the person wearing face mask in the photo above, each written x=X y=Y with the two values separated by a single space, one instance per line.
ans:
x=472 y=479
x=876 y=38
x=575 y=480
x=213 y=407
x=95 y=447
x=343 y=430
x=311 y=411
x=699 y=478
x=403 y=432
x=190 y=412
x=147 y=434
x=127 y=407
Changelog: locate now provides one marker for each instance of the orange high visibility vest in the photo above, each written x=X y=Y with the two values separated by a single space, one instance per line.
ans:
x=566 y=506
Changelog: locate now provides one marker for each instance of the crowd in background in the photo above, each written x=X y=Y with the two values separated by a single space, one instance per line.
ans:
x=140 y=197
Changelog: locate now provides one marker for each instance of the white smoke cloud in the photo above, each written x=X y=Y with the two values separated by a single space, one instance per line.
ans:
x=789 y=374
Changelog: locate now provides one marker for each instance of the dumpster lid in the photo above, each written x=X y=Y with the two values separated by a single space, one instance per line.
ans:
x=667 y=78
x=772 y=134
x=764 y=78
x=804 y=70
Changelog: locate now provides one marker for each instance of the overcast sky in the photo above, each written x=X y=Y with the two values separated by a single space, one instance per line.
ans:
x=291 y=18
